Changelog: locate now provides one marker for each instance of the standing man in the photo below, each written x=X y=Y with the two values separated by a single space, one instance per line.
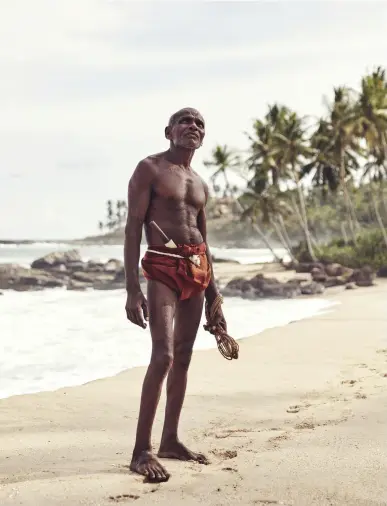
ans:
x=164 y=189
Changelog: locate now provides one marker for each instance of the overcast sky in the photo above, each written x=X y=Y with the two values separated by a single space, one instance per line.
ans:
x=86 y=88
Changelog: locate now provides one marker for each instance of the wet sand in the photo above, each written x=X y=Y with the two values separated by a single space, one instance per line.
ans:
x=300 y=419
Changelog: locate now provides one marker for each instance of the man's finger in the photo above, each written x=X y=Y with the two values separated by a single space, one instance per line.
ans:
x=145 y=310
x=139 y=319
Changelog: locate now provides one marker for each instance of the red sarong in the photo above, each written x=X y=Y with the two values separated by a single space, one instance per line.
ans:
x=179 y=274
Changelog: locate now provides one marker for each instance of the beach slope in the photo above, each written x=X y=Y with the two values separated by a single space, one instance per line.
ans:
x=299 y=419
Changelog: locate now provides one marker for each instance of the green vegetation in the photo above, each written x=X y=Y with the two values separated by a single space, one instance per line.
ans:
x=369 y=249
x=323 y=178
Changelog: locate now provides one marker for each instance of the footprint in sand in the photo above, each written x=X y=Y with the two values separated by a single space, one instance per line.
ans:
x=270 y=501
x=124 y=497
x=225 y=454
x=293 y=409
x=349 y=382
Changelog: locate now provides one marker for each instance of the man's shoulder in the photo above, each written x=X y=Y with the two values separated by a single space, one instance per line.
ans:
x=152 y=162
x=148 y=167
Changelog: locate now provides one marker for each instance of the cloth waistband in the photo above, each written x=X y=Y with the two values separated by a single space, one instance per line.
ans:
x=181 y=251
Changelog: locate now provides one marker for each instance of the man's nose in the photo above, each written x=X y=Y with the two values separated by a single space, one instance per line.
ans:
x=193 y=126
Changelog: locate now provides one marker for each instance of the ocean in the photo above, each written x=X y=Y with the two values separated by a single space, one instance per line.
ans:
x=58 y=338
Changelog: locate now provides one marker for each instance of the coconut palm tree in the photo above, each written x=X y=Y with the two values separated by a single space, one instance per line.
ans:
x=265 y=161
x=223 y=161
x=293 y=142
x=344 y=149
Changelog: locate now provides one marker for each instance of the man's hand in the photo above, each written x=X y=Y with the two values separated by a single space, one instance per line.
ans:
x=137 y=308
x=219 y=318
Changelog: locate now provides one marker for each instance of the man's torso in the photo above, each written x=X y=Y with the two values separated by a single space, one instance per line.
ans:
x=178 y=195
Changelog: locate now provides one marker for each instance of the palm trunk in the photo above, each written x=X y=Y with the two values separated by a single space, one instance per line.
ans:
x=378 y=217
x=303 y=216
x=347 y=200
x=283 y=240
x=260 y=232
x=344 y=232
x=285 y=232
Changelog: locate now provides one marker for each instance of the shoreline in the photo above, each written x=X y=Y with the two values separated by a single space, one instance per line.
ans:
x=300 y=399
x=291 y=311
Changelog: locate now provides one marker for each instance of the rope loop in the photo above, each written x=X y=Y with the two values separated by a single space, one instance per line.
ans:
x=227 y=345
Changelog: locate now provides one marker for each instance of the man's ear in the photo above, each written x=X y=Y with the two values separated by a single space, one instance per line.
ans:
x=167 y=132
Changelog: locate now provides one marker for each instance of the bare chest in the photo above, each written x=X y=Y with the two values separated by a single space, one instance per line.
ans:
x=181 y=186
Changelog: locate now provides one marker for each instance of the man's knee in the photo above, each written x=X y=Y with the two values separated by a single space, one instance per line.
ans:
x=162 y=360
x=183 y=355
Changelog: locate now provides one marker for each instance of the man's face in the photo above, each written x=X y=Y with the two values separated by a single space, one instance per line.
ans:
x=187 y=129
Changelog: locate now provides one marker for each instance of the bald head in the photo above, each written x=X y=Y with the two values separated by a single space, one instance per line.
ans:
x=186 y=129
x=186 y=111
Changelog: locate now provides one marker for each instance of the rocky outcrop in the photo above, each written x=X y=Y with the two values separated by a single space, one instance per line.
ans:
x=64 y=269
x=57 y=259
x=382 y=272
x=18 y=278
x=319 y=277
x=260 y=287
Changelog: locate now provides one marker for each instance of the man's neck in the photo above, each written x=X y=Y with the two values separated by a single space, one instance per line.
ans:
x=181 y=156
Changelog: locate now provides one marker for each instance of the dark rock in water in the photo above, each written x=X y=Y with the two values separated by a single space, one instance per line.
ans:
x=85 y=277
x=312 y=288
x=113 y=265
x=18 y=278
x=75 y=266
x=382 y=272
x=79 y=286
x=120 y=275
x=57 y=258
x=350 y=286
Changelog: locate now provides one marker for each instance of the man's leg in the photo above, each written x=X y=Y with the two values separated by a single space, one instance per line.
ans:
x=162 y=306
x=187 y=320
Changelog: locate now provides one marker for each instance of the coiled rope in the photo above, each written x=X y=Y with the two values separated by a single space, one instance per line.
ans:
x=227 y=345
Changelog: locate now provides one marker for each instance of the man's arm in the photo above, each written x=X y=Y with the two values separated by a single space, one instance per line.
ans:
x=139 y=194
x=211 y=291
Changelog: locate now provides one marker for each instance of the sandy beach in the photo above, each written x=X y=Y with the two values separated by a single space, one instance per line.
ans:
x=299 y=419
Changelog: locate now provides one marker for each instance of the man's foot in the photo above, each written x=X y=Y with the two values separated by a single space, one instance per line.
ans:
x=147 y=465
x=176 y=450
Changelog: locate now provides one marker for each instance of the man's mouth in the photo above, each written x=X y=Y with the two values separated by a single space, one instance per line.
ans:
x=191 y=135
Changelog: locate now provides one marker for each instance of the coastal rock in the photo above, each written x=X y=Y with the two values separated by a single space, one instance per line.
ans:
x=363 y=277
x=319 y=275
x=261 y=287
x=85 y=277
x=307 y=267
x=66 y=258
x=94 y=266
x=382 y=272
x=335 y=270
x=79 y=286
x=312 y=288
x=18 y=278
x=113 y=265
